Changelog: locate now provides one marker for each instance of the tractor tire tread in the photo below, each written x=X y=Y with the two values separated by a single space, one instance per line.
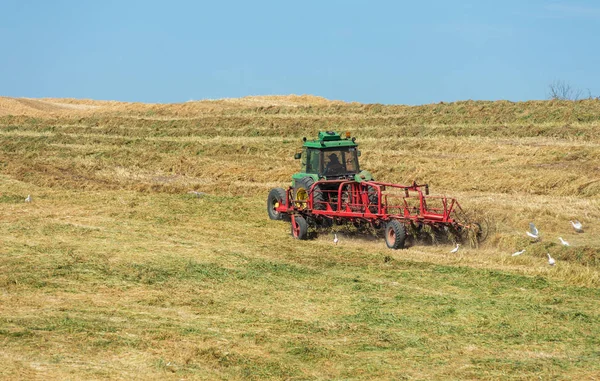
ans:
x=395 y=235
x=302 y=227
x=276 y=195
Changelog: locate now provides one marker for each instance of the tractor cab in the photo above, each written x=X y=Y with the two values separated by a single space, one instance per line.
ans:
x=330 y=157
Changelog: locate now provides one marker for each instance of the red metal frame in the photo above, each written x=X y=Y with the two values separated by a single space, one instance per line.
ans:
x=349 y=200
x=295 y=227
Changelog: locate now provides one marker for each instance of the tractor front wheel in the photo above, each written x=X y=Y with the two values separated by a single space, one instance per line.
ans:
x=299 y=227
x=395 y=235
x=277 y=196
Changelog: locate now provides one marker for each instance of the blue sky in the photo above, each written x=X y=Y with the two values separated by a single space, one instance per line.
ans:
x=391 y=52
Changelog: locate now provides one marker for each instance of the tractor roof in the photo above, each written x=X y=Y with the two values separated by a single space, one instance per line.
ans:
x=330 y=139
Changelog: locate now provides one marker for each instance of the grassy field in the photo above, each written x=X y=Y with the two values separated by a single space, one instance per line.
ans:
x=115 y=270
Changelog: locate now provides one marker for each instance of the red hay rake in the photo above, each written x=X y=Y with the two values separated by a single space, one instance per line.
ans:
x=399 y=211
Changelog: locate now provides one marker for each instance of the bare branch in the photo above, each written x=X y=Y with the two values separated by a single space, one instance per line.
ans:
x=561 y=90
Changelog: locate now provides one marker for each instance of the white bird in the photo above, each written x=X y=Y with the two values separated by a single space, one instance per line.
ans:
x=551 y=260
x=28 y=199
x=197 y=194
x=577 y=226
x=335 y=238
x=518 y=253
x=565 y=243
x=455 y=249
x=533 y=232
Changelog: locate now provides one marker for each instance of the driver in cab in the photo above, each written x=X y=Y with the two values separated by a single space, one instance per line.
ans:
x=334 y=166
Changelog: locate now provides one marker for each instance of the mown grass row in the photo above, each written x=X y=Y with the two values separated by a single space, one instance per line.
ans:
x=297 y=126
x=529 y=165
x=484 y=112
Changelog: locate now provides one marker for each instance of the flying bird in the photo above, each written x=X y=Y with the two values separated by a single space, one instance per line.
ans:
x=335 y=238
x=455 y=249
x=577 y=226
x=565 y=243
x=551 y=260
x=533 y=231
x=28 y=199
x=518 y=253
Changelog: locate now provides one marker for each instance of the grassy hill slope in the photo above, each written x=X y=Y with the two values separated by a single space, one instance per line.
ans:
x=116 y=271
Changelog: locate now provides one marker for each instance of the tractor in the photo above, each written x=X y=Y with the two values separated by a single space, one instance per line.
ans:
x=332 y=189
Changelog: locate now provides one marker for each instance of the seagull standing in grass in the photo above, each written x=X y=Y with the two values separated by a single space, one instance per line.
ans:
x=518 y=253
x=577 y=226
x=565 y=243
x=28 y=199
x=533 y=231
x=455 y=249
x=551 y=260
x=335 y=238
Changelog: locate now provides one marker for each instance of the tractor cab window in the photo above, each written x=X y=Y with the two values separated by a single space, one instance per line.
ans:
x=351 y=160
x=312 y=160
x=340 y=162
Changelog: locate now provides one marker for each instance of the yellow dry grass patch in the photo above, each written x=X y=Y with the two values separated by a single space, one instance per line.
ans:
x=67 y=107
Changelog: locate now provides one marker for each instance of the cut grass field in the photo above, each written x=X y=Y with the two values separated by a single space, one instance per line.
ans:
x=116 y=271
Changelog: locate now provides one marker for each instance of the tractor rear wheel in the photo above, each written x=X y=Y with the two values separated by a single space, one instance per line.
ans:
x=395 y=235
x=299 y=227
x=277 y=196
x=302 y=192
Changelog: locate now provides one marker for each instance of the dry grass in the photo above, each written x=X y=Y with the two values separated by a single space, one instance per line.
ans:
x=116 y=271
x=66 y=107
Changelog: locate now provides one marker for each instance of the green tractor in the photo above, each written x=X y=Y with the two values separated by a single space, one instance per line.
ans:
x=332 y=189
x=326 y=162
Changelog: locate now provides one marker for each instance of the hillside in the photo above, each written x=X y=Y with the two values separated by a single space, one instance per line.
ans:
x=116 y=270
x=67 y=107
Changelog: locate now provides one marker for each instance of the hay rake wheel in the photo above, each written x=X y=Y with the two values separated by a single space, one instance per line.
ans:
x=475 y=227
